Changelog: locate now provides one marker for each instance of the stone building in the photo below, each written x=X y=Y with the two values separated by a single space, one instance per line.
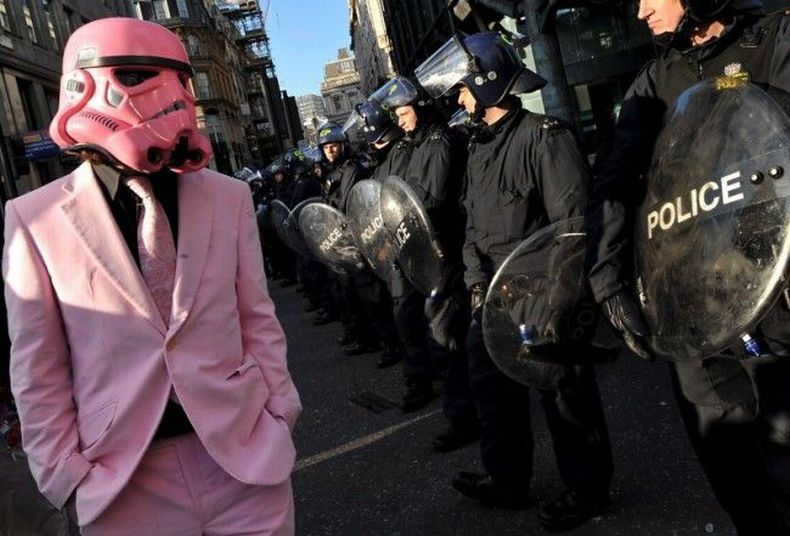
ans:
x=311 y=113
x=32 y=36
x=340 y=88
x=221 y=102
x=370 y=44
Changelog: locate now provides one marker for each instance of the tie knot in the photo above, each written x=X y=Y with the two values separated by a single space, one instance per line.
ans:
x=141 y=186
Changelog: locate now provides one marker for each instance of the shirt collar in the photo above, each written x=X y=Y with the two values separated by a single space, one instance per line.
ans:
x=109 y=177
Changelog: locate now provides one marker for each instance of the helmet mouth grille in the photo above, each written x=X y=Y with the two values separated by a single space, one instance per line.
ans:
x=101 y=119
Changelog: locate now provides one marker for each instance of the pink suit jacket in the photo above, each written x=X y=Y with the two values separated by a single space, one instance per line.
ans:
x=92 y=361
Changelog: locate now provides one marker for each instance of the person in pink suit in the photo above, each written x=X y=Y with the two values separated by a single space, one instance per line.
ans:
x=147 y=363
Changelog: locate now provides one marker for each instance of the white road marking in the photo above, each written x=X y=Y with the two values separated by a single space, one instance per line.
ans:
x=321 y=457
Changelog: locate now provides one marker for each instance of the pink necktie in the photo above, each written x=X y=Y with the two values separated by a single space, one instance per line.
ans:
x=155 y=245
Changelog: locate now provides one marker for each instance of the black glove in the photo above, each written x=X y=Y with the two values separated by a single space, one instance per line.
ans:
x=440 y=313
x=626 y=317
x=477 y=297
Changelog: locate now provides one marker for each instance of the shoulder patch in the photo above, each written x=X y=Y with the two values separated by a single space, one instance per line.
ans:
x=550 y=124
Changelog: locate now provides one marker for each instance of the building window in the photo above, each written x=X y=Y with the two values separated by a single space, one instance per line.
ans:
x=202 y=87
x=161 y=11
x=28 y=16
x=48 y=15
x=4 y=22
x=70 y=21
x=194 y=46
x=337 y=102
x=182 y=8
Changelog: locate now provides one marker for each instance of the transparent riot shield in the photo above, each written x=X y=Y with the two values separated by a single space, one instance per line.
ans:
x=326 y=232
x=367 y=225
x=712 y=235
x=279 y=213
x=418 y=252
x=293 y=232
x=539 y=311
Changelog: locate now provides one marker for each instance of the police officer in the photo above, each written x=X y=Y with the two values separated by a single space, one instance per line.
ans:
x=370 y=317
x=311 y=274
x=284 y=259
x=436 y=160
x=745 y=455
x=524 y=172
x=381 y=134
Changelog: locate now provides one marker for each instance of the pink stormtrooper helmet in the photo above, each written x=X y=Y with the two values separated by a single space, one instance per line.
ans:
x=124 y=93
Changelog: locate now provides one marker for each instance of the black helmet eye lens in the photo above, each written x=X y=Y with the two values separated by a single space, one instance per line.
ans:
x=134 y=77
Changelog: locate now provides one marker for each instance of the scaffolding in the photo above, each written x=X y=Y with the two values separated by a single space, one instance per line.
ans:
x=250 y=22
x=249 y=19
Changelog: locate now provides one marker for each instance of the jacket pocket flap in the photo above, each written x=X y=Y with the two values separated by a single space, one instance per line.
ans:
x=93 y=426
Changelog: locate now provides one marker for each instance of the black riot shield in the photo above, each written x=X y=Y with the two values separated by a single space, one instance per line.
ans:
x=326 y=232
x=418 y=253
x=539 y=311
x=367 y=225
x=712 y=235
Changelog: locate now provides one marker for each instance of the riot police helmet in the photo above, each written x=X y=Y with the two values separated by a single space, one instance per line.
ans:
x=372 y=122
x=330 y=133
x=483 y=62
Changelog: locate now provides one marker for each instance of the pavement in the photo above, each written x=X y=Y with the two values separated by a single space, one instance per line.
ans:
x=365 y=468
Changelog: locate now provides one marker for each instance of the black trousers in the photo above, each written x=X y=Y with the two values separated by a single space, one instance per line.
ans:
x=737 y=416
x=573 y=411
x=425 y=359
x=408 y=311
x=376 y=307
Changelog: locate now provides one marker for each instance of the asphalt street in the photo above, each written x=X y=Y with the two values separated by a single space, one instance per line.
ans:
x=365 y=468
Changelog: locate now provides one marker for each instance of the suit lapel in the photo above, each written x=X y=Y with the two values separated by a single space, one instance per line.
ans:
x=91 y=219
x=195 y=221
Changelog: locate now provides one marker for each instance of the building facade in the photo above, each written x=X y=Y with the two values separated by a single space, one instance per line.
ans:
x=269 y=133
x=32 y=36
x=340 y=88
x=370 y=44
x=589 y=50
x=221 y=103
x=311 y=114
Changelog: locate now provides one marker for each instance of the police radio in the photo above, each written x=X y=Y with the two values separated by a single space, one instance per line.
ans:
x=702 y=10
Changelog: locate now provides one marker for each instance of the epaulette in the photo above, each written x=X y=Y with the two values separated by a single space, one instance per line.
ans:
x=550 y=123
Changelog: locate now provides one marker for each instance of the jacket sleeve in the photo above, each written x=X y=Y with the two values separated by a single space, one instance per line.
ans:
x=262 y=335
x=473 y=268
x=779 y=80
x=437 y=171
x=40 y=367
x=560 y=170
x=618 y=186
x=780 y=64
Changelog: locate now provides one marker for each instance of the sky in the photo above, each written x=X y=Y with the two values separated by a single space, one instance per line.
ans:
x=303 y=36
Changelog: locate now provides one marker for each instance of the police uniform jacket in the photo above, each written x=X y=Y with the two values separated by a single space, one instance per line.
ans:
x=435 y=172
x=343 y=174
x=392 y=159
x=751 y=43
x=523 y=172
x=306 y=186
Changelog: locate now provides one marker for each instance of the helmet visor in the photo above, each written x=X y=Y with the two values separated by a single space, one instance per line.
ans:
x=354 y=125
x=395 y=93
x=459 y=118
x=444 y=69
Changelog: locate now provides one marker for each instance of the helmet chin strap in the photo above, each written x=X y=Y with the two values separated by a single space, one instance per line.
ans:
x=681 y=36
x=477 y=114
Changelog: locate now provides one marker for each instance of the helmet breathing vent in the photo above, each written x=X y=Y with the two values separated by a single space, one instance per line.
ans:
x=75 y=86
x=103 y=120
